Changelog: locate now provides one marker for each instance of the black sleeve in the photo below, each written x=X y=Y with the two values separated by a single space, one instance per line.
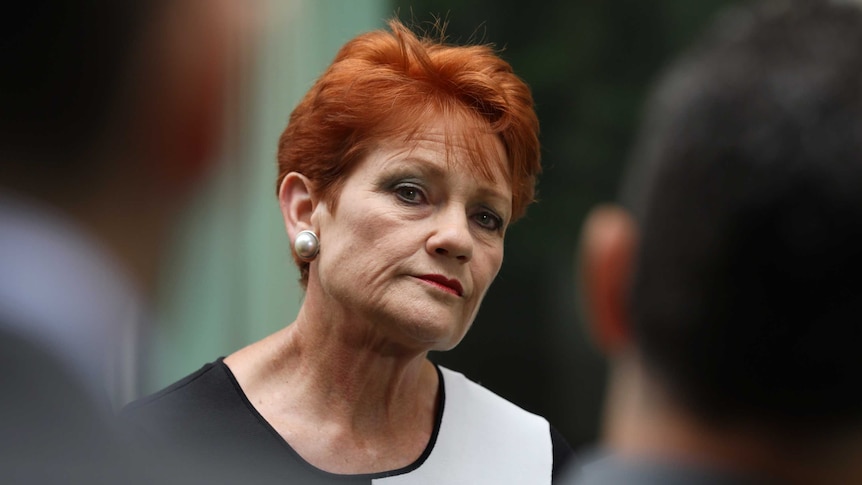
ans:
x=563 y=454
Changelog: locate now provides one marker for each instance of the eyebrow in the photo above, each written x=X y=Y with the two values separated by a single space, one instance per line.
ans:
x=435 y=170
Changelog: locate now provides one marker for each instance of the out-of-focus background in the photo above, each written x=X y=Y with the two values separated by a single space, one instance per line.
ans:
x=231 y=280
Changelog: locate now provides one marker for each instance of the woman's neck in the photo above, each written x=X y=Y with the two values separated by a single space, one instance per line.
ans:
x=337 y=382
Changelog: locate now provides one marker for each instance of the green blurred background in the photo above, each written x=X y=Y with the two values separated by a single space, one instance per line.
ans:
x=590 y=63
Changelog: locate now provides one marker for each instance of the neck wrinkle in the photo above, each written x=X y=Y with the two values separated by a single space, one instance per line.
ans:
x=339 y=373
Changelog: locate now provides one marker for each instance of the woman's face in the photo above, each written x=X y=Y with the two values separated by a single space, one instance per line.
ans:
x=415 y=241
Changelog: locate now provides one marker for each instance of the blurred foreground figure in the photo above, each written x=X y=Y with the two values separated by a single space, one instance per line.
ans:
x=729 y=297
x=110 y=113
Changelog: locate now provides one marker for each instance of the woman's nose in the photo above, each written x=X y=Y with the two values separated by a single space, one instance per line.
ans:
x=451 y=236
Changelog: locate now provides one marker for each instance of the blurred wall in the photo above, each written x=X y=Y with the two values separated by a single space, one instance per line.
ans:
x=231 y=280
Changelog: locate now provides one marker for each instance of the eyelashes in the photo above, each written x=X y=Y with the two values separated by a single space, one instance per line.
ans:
x=410 y=193
x=413 y=194
x=489 y=220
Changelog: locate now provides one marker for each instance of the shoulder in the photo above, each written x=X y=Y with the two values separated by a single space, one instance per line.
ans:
x=604 y=467
x=205 y=419
x=53 y=430
x=475 y=407
x=473 y=398
x=198 y=384
x=197 y=400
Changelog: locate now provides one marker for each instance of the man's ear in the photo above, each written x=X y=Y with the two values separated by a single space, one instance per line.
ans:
x=183 y=84
x=608 y=245
x=297 y=201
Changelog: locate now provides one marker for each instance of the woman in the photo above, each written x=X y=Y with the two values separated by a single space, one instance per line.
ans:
x=399 y=173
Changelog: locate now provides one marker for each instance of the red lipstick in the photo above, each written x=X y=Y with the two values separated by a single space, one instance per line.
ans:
x=452 y=286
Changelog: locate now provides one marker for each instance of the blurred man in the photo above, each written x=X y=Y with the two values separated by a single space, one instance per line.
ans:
x=728 y=293
x=110 y=113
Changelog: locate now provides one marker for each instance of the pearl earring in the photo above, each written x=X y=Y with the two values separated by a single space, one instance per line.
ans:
x=306 y=245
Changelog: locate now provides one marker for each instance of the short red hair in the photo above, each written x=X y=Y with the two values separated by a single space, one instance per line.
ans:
x=383 y=85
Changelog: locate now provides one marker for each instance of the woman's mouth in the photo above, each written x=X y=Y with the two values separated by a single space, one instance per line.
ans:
x=452 y=286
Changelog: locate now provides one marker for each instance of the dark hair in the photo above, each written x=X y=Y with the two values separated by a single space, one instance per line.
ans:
x=747 y=183
x=64 y=65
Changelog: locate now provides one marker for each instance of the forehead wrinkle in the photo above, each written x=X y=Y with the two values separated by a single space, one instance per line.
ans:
x=467 y=138
x=492 y=193
x=479 y=155
x=427 y=166
x=465 y=143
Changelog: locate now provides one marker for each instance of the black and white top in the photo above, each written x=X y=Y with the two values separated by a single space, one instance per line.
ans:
x=478 y=437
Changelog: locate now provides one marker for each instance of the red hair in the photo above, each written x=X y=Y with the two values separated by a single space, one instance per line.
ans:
x=383 y=85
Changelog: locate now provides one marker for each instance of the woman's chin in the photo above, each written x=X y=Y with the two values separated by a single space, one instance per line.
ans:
x=428 y=335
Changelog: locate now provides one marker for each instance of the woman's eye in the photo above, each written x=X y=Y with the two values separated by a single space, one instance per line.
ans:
x=488 y=221
x=409 y=193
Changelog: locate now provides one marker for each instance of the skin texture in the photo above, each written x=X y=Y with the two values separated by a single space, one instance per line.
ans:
x=348 y=384
x=406 y=215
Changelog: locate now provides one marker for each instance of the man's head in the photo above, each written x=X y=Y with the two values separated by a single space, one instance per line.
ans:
x=742 y=296
x=111 y=111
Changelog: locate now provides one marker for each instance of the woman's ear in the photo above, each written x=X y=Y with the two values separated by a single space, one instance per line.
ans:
x=297 y=201
x=608 y=244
